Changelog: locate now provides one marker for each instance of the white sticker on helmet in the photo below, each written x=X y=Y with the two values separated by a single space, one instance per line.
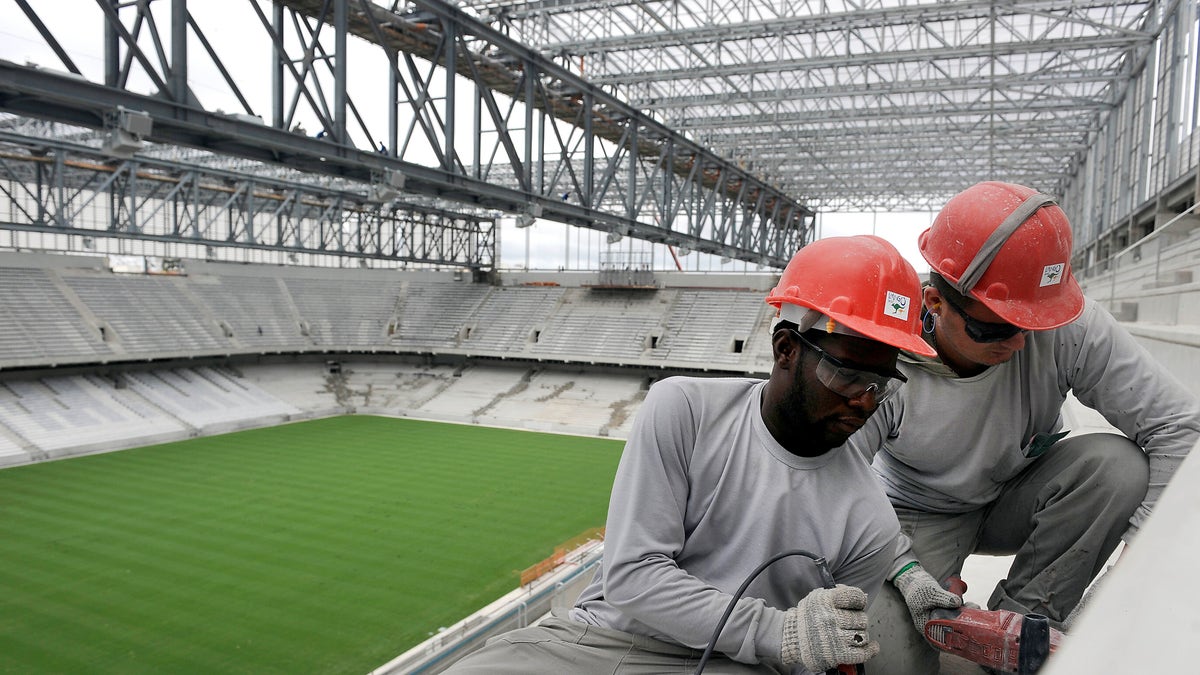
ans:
x=896 y=306
x=1052 y=274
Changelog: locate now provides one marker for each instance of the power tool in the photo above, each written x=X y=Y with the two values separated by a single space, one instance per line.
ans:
x=828 y=582
x=998 y=638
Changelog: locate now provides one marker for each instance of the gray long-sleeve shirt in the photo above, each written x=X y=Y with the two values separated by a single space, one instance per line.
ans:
x=702 y=496
x=947 y=444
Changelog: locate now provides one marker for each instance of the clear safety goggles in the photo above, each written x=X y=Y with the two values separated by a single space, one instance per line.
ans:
x=850 y=382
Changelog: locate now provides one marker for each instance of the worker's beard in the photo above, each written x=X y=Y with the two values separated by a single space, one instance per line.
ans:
x=814 y=417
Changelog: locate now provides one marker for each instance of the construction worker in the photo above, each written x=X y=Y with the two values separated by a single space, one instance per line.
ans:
x=719 y=475
x=973 y=453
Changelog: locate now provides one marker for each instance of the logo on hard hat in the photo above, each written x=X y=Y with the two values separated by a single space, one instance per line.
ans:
x=896 y=306
x=1052 y=274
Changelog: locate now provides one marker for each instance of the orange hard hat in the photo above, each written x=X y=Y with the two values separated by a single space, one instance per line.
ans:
x=1009 y=247
x=860 y=282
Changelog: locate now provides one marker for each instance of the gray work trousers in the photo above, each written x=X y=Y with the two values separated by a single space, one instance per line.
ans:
x=558 y=646
x=1062 y=517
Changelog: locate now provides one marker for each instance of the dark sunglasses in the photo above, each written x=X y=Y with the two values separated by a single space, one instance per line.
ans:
x=983 y=331
x=850 y=382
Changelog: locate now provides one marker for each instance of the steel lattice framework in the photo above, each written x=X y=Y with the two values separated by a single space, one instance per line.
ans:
x=458 y=112
x=875 y=104
x=52 y=185
x=716 y=126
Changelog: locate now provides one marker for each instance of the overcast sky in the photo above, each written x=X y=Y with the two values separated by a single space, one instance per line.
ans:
x=242 y=44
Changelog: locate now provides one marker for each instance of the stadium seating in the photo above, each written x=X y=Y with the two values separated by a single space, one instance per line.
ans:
x=41 y=326
x=83 y=314
x=257 y=310
x=73 y=311
x=1153 y=288
x=601 y=325
x=61 y=416
x=11 y=453
x=702 y=321
x=344 y=313
x=151 y=316
x=506 y=321
x=435 y=315
x=418 y=343
x=579 y=402
x=208 y=400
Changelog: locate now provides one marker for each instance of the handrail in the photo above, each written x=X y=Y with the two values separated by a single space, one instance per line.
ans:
x=1157 y=231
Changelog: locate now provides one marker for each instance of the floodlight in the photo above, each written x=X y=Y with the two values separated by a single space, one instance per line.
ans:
x=386 y=186
x=394 y=179
x=128 y=128
x=614 y=237
x=134 y=122
x=531 y=214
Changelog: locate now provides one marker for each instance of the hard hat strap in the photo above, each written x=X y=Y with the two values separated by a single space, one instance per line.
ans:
x=987 y=253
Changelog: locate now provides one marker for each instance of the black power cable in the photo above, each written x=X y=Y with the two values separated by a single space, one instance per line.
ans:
x=826 y=579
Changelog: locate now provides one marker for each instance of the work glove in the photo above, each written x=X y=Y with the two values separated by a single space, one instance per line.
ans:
x=923 y=594
x=827 y=628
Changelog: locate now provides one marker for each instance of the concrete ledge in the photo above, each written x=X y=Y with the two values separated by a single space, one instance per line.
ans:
x=522 y=607
x=1187 y=335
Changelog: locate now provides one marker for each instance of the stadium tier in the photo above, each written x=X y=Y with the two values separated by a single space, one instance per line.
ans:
x=101 y=355
x=78 y=310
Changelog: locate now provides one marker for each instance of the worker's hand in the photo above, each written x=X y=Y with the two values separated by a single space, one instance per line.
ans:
x=828 y=628
x=923 y=594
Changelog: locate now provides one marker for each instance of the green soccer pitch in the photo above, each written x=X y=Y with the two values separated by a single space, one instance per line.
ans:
x=327 y=546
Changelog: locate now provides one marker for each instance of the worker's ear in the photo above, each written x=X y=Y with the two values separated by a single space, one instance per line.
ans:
x=785 y=348
x=932 y=298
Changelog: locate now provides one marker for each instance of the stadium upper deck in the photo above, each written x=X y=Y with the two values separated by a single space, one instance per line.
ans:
x=69 y=310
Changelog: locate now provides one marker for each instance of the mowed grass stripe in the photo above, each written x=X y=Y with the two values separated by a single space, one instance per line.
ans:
x=327 y=546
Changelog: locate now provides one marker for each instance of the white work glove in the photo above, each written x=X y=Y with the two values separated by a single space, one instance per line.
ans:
x=923 y=594
x=827 y=628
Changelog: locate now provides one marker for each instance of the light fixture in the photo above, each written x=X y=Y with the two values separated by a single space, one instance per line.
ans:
x=614 y=237
x=682 y=251
x=531 y=214
x=127 y=129
x=386 y=186
x=725 y=260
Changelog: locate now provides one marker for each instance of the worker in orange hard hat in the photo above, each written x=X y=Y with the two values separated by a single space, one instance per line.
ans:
x=721 y=475
x=974 y=454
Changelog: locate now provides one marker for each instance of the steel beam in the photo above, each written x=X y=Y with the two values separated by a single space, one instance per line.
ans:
x=614 y=156
x=54 y=186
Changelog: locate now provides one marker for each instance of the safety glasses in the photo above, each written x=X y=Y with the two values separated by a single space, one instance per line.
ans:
x=983 y=331
x=850 y=382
